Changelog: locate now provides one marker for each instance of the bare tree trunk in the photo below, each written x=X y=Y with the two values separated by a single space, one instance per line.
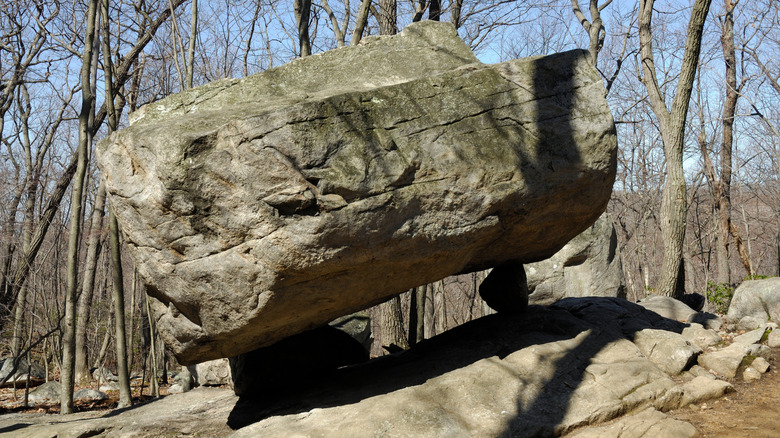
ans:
x=69 y=337
x=594 y=27
x=777 y=245
x=393 y=324
x=388 y=17
x=417 y=314
x=191 y=47
x=154 y=388
x=434 y=10
x=360 y=21
x=118 y=289
x=742 y=249
x=672 y=126
x=338 y=32
x=88 y=285
x=125 y=396
x=729 y=110
x=302 y=14
x=455 y=13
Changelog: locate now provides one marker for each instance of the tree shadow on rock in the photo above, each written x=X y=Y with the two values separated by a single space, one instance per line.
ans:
x=588 y=325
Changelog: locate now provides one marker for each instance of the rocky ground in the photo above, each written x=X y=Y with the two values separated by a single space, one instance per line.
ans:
x=582 y=368
x=749 y=412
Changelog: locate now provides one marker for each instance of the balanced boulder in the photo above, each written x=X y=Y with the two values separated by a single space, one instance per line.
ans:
x=259 y=208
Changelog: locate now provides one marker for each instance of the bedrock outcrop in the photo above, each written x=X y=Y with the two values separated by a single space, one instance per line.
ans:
x=259 y=208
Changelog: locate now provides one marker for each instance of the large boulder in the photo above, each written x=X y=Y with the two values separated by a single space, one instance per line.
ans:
x=259 y=208
x=758 y=300
x=589 y=265
x=37 y=374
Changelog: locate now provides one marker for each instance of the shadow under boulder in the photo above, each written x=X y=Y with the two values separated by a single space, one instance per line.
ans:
x=544 y=372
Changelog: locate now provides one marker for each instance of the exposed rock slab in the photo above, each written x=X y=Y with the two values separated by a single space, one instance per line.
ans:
x=751 y=337
x=549 y=372
x=725 y=362
x=667 y=307
x=698 y=335
x=587 y=266
x=668 y=350
x=256 y=209
x=773 y=340
x=20 y=376
x=649 y=423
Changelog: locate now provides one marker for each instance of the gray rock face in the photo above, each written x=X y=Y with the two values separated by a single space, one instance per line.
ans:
x=774 y=339
x=589 y=265
x=698 y=335
x=259 y=208
x=49 y=392
x=649 y=423
x=725 y=362
x=758 y=300
x=668 y=350
x=751 y=337
x=667 y=307
x=36 y=372
x=357 y=325
x=89 y=395
x=211 y=373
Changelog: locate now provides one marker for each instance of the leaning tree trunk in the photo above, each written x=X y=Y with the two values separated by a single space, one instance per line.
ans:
x=361 y=19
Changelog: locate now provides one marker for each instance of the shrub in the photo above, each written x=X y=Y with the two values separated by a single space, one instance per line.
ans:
x=720 y=294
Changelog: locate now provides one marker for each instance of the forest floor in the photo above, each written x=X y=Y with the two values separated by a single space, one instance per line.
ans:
x=13 y=403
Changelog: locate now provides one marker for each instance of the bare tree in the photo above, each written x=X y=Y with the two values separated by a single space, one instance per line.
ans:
x=388 y=17
x=671 y=123
x=594 y=26
x=125 y=396
x=360 y=21
x=302 y=17
x=87 y=101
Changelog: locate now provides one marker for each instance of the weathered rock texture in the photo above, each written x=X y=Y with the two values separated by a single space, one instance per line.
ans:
x=588 y=266
x=548 y=372
x=258 y=208
x=756 y=299
x=211 y=373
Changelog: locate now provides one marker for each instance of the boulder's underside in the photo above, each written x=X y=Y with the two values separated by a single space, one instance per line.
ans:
x=258 y=208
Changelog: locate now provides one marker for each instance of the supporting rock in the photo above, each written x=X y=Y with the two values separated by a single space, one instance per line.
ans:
x=505 y=288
